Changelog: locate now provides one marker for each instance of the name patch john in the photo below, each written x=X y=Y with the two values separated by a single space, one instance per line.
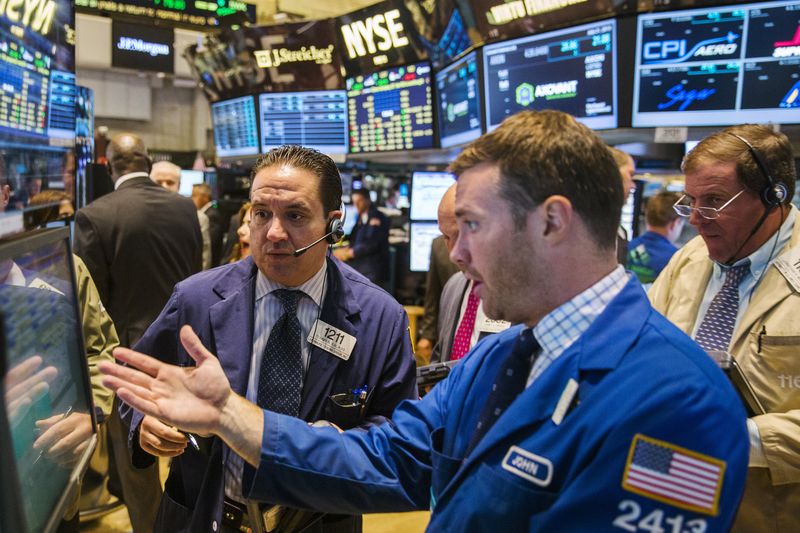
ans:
x=529 y=466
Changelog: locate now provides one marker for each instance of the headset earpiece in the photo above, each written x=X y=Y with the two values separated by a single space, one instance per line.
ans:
x=336 y=226
x=776 y=192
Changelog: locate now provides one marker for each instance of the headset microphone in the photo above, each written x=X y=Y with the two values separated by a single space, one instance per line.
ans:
x=334 y=235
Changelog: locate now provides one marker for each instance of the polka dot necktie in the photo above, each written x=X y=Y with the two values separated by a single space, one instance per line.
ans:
x=280 y=378
x=464 y=332
x=508 y=384
x=716 y=329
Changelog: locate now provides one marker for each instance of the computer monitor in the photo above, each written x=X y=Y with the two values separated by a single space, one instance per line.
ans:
x=420 y=239
x=45 y=384
x=314 y=119
x=572 y=70
x=391 y=109
x=718 y=66
x=190 y=178
x=458 y=91
x=235 y=128
x=351 y=217
x=427 y=189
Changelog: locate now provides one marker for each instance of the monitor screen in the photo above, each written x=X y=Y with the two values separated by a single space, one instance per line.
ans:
x=391 y=109
x=459 y=98
x=141 y=47
x=420 y=239
x=350 y=219
x=427 y=189
x=190 y=178
x=572 y=70
x=718 y=66
x=46 y=390
x=235 y=130
x=315 y=119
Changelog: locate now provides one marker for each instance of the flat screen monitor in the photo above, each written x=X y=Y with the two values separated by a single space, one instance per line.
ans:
x=235 y=129
x=45 y=385
x=391 y=109
x=427 y=189
x=190 y=178
x=351 y=217
x=420 y=239
x=459 y=101
x=140 y=47
x=572 y=70
x=314 y=119
x=718 y=66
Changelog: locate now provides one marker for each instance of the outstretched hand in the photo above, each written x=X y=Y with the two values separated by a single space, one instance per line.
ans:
x=190 y=398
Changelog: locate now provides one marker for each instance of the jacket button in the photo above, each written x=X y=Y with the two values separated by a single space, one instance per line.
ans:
x=214 y=525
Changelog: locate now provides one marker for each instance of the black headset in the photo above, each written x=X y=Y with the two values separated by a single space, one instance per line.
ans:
x=335 y=230
x=776 y=192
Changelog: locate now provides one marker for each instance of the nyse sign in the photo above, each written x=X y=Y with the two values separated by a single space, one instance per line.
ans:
x=378 y=33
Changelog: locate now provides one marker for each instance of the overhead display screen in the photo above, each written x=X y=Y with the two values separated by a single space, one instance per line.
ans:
x=316 y=119
x=458 y=94
x=202 y=13
x=235 y=130
x=572 y=70
x=391 y=109
x=427 y=189
x=142 y=47
x=698 y=67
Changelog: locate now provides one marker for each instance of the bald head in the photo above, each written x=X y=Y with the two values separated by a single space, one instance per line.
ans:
x=166 y=174
x=127 y=153
x=447 y=217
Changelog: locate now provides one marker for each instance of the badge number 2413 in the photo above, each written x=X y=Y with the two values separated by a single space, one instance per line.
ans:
x=657 y=521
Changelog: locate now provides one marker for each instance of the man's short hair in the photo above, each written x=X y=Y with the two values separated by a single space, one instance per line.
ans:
x=620 y=157
x=166 y=166
x=659 y=212
x=363 y=193
x=546 y=153
x=202 y=188
x=314 y=161
x=722 y=147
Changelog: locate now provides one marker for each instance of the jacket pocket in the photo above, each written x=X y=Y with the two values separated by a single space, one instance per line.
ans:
x=444 y=467
x=775 y=371
x=172 y=516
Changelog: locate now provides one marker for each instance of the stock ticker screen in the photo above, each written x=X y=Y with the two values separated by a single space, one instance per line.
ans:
x=235 y=129
x=316 y=119
x=391 y=109
x=37 y=80
x=458 y=94
x=572 y=70
x=694 y=68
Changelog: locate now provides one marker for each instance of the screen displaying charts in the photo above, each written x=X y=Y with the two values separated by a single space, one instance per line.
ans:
x=391 y=109
x=420 y=238
x=235 y=131
x=572 y=70
x=315 y=119
x=458 y=95
x=696 y=68
x=427 y=189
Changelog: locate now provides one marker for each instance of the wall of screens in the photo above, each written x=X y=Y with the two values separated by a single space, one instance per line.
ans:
x=235 y=128
x=572 y=70
x=315 y=119
x=391 y=109
x=696 y=68
x=458 y=93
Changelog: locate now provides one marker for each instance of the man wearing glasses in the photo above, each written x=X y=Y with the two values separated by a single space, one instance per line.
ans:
x=736 y=289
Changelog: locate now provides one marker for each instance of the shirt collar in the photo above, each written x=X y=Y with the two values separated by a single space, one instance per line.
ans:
x=205 y=207
x=125 y=177
x=768 y=252
x=313 y=287
x=564 y=325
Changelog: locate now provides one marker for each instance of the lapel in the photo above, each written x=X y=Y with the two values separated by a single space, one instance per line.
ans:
x=687 y=293
x=600 y=348
x=772 y=290
x=338 y=309
x=232 y=323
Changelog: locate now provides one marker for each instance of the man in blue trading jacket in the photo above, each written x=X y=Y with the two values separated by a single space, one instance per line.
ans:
x=301 y=351
x=369 y=241
x=594 y=414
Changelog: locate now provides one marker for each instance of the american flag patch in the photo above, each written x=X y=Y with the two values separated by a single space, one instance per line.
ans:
x=673 y=475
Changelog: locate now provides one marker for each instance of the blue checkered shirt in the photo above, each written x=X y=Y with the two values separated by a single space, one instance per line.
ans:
x=565 y=324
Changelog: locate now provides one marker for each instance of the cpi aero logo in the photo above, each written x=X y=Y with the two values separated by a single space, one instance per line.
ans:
x=674 y=51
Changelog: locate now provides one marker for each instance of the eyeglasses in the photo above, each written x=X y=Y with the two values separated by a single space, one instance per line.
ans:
x=709 y=213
